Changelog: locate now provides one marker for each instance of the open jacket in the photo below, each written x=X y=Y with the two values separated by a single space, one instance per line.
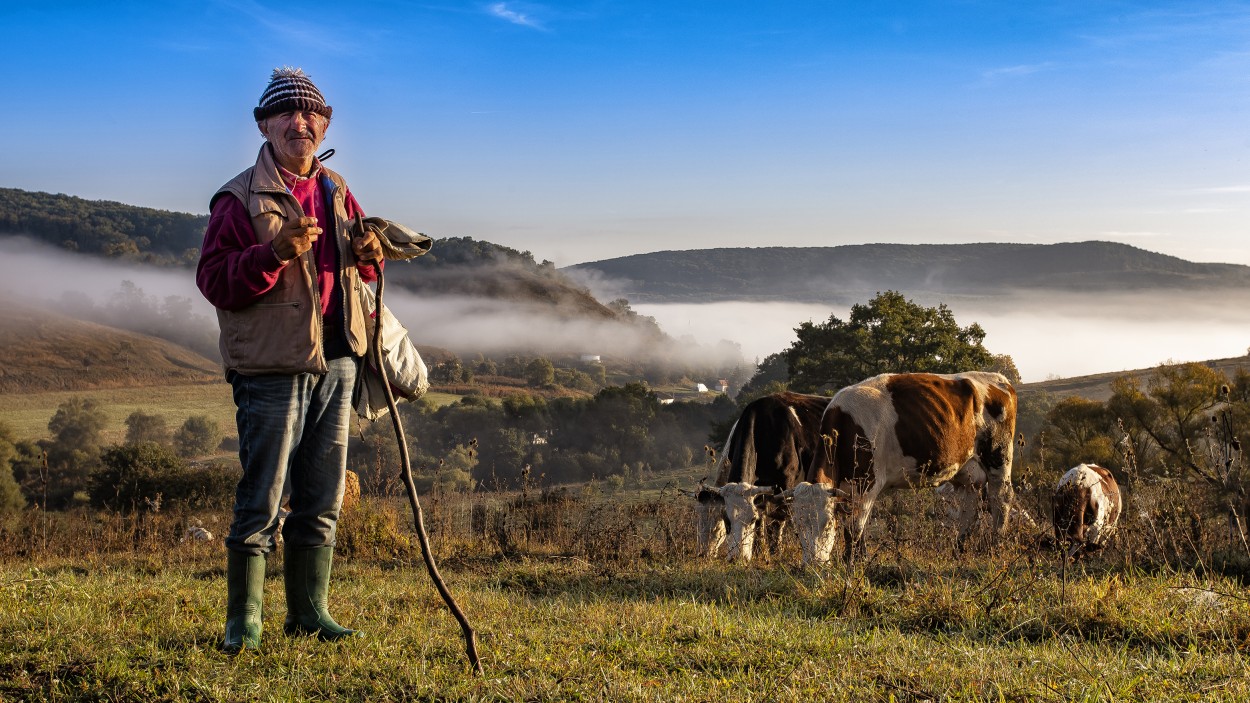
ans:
x=281 y=330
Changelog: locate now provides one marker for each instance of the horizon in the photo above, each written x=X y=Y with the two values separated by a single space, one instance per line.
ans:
x=589 y=131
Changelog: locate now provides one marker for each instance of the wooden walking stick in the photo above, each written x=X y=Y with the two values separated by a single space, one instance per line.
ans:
x=470 y=637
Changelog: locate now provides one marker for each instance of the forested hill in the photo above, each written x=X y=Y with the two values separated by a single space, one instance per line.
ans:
x=845 y=273
x=103 y=227
x=456 y=265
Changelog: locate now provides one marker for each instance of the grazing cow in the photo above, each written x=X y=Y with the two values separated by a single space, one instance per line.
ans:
x=1086 y=507
x=768 y=450
x=907 y=430
x=710 y=519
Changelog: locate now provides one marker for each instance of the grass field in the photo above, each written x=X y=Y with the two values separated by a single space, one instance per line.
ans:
x=612 y=607
x=28 y=413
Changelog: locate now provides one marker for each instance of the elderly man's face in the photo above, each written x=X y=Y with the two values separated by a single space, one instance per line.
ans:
x=295 y=137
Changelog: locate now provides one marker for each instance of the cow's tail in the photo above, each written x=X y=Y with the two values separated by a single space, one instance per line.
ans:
x=728 y=452
x=740 y=456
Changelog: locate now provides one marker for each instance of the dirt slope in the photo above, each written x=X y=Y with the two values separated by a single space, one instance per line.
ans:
x=44 y=351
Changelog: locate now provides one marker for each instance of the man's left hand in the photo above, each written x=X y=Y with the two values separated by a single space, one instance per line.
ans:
x=367 y=246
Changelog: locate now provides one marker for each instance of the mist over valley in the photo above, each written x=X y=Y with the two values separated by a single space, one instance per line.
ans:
x=1055 y=335
x=1058 y=310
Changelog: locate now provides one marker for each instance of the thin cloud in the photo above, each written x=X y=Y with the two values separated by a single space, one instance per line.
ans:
x=1007 y=72
x=503 y=12
x=1132 y=235
x=1224 y=189
x=299 y=32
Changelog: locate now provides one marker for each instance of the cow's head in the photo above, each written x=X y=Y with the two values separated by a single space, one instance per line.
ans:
x=709 y=519
x=744 y=506
x=815 y=509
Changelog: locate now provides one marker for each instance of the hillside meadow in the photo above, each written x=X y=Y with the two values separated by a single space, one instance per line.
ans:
x=28 y=413
x=592 y=595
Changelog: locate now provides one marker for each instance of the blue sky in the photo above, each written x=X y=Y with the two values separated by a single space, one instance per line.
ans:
x=587 y=130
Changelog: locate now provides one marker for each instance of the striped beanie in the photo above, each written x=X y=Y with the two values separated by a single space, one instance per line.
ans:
x=290 y=89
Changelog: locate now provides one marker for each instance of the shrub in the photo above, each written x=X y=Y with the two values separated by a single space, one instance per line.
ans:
x=141 y=427
x=11 y=498
x=198 y=436
x=146 y=476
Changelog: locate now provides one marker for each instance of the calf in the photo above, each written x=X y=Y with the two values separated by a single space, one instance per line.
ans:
x=911 y=430
x=1086 y=508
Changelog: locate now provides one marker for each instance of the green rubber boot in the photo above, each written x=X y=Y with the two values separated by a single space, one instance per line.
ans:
x=307 y=578
x=245 y=589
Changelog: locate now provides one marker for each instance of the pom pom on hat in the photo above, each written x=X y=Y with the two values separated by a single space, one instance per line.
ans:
x=290 y=89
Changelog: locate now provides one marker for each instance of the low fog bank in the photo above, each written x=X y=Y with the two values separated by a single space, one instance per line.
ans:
x=166 y=303
x=1047 y=334
x=33 y=270
x=467 y=324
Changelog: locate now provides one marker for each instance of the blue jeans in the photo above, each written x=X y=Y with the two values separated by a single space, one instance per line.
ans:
x=292 y=429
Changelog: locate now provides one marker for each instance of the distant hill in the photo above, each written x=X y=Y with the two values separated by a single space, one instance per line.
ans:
x=843 y=274
x=103 y=227
x=456 y=266
x=46 y=351
x=1098 y=386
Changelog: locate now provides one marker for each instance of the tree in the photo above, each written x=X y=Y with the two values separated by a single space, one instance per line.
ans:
x=889 y=334
x=1004 y=364
x=74 y=450
x=772 y=376
x=141 y=427
x=1079 y=431
x=1173 y=413
x=198 y=436
x=77 y=424
x=540 y=373
x=11 y=498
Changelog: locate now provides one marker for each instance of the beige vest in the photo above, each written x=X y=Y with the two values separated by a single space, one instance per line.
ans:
x=281 y=332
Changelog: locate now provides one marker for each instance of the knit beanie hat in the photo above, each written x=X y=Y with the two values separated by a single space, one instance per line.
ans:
x=291 y=89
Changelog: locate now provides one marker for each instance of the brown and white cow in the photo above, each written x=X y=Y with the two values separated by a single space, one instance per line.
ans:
x=1086 y=508
x=768 y=450
x=912 y=430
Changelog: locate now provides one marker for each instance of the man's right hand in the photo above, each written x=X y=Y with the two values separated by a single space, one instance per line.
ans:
x=296 y=238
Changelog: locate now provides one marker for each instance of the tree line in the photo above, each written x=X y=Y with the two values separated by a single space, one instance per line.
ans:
x=151 y=467
x=621 y=433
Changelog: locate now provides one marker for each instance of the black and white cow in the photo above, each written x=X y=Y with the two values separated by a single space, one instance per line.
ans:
x=911 y=430
x=768 y=450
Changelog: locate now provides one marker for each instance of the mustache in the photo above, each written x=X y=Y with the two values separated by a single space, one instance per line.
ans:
x=295 y=134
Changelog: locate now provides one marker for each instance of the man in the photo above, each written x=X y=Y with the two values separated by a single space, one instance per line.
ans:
x=285 y=273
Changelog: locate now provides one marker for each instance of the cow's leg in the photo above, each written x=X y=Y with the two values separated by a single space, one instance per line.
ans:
x=967 y=500
x=861 y=510
x=778 y=517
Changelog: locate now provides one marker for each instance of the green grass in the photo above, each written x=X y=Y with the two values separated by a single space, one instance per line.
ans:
x=596 y=598
x=568 y=629
x=28 y=413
